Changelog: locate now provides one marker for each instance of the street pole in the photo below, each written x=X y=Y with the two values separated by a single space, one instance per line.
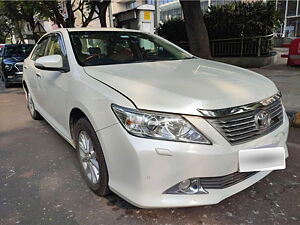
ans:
x=111 y=22
x=157 y=14
x=285 y=17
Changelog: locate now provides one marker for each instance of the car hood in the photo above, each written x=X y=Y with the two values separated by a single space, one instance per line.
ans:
x=13 y=60
x=183 y=86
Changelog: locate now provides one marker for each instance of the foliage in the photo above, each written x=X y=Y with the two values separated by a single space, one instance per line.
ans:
x=32 y=11
x=241 y=19
x=29 y=11
x=233 y=20
x=87 y=10
x=173 y=30
x=5 y=27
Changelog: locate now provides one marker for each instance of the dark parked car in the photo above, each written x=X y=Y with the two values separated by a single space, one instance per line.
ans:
x=12 y=57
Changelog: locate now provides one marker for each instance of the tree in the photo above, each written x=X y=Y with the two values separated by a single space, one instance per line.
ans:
x=6 y=28
x=87 y=10
x=102 y=10
x=195 y=28
x=29 y=11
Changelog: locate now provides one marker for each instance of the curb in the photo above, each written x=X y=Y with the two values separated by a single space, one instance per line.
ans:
x=294 y=118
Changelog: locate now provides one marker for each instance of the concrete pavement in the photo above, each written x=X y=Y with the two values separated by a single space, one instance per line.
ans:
x=40 y=184
x=287 y=79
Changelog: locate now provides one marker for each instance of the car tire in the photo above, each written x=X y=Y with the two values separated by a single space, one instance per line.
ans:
x=30 y=105
x=91 y=158
x=6 y=84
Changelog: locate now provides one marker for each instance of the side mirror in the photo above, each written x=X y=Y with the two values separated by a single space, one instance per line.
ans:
x=51 y=62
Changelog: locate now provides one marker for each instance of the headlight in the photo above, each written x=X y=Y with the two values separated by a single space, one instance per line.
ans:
x=158 y=125
x=8 y=67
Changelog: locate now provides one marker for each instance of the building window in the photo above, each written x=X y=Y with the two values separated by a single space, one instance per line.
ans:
x=131 y=5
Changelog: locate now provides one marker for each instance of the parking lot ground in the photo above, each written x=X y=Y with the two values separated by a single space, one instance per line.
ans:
x=40 y=183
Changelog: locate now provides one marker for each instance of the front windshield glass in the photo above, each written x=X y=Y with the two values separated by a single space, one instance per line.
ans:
x=110 y=47
x=17 y=51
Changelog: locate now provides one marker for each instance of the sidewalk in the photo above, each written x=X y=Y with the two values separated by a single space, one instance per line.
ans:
x=286 y=78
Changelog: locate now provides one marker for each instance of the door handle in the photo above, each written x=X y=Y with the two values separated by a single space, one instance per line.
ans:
x=38 y=75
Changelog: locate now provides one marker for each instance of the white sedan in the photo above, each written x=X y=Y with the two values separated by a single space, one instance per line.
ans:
x=153 y=123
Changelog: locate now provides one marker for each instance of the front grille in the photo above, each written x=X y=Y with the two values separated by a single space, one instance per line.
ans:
x=224 y=181
x=19 y=67
x=242 y=127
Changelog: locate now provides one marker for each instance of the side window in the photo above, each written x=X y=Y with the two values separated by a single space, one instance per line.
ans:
x=40 y=49
x=53 y=47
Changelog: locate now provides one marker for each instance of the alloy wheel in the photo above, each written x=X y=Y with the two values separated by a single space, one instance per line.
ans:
x=30 y=104
x=88 y=157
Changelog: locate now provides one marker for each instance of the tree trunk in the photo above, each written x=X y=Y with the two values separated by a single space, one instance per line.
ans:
x=102 y=6
x=56 y=17
x=89 y=18
x=70 y=21
x=196 y=29
x=18 y=29
x=32 y=27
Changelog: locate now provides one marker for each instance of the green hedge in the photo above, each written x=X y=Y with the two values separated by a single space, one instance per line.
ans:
x=173 y=30
x=233 y=20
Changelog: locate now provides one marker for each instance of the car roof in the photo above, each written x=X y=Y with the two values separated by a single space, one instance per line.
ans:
x=101 y=29
x=97 y=29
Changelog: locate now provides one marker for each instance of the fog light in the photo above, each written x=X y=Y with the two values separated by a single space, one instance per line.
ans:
x=189 y=186
x=184 y=185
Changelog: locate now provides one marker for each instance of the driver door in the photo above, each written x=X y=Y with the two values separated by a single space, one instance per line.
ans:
x=54 y=87
x=33 y=74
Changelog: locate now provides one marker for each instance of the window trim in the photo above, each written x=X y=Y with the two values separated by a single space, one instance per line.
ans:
x=62 y=45
x=34 y=49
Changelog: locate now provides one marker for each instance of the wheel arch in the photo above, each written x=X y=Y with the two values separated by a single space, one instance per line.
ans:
x=25 y=87
x=75 y=114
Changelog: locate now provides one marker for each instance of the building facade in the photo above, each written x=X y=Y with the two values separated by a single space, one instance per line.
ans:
x=170 y=9
x=291 y=11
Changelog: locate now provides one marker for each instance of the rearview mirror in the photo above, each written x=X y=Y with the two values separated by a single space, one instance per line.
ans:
x=51 y=62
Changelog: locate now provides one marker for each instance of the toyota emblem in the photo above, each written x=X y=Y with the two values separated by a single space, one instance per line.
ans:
x=262 y=120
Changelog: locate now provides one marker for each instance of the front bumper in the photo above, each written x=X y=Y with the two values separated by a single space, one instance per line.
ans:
x=141 y=170
x=14 y=78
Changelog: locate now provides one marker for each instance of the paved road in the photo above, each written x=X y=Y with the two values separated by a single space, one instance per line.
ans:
x=40 y=183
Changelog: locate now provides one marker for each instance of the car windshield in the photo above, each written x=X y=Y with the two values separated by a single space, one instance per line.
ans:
x=115 y=47
x=17 y=51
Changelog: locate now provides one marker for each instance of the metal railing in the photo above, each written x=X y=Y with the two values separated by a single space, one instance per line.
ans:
x=239 y=47
x=247 y=46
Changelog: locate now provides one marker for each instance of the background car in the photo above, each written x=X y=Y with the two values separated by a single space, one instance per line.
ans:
x=12 y=57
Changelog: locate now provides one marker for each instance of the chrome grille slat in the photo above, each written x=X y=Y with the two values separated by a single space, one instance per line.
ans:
x=241 y=133
x=224 y=181
x=274 y=105
x=237 y=129
x=242 y=137
x=277 y=107
x=233 y=121
x=240 y=128
x=276 y=113
x=236 y=124
x=19 y=66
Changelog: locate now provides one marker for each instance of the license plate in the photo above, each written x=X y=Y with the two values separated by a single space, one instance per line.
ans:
x=261 y=159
